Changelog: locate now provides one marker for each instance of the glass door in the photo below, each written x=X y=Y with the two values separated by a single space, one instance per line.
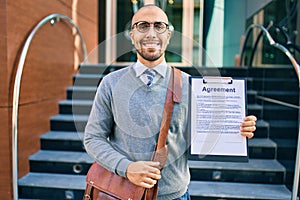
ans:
x=186 y=20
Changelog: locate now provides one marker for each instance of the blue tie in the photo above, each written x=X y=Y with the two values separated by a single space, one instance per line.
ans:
x=150 y=76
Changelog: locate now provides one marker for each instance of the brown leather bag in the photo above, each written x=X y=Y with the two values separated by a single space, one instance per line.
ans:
x=103 y=184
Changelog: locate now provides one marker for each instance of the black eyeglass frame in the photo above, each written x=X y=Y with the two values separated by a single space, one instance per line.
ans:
x=158 y=22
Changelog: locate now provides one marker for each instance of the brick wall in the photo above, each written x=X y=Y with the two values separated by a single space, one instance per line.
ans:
x=48 y=70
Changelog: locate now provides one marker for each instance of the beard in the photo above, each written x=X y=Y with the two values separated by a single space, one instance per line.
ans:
x=148 y=56
x=149 y=53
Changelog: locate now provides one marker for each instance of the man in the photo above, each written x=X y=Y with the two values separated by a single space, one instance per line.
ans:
x=124 y=123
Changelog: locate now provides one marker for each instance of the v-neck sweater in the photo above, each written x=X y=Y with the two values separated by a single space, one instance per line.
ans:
x=124 y=124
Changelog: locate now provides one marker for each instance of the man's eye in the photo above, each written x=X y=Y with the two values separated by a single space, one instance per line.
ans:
x=159 y=26
x=143 y=26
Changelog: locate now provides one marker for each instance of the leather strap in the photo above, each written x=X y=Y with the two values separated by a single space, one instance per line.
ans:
x=174 y=94
x=88 y=192
x=177 y=86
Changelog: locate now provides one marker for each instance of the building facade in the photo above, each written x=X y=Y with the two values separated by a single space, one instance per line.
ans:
x=205 y=33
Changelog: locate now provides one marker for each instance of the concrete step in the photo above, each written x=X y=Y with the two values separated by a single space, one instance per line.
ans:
x=290 y=168
x=210 y=71
x=81 y=93
x=286 y=149
x=277 y=72
x=88 y=93
x=283 y=129
x=84 y=107
x=98 y=68
x=92 y=80
x=251 y=96
x=28 y=199
x=60 y=162
x=58 y=186
x=272 y=72
x=289 y=96
x=255 y=109
x=51 y=186
x=73 y=141
x=75 y=123
x=62 y=140
x=263 y=148
x=286 y=113
x=262 y=129
x=104 y=69
x=229 y=190
x=68 y=122
x=75 y=107
x=83 y=79
x=255 y=171
x=260 y=73
x=274 y=84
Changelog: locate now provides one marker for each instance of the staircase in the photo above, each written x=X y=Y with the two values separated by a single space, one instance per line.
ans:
x=58 y=170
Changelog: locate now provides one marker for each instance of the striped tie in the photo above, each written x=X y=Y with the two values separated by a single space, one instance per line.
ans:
x=150 y=76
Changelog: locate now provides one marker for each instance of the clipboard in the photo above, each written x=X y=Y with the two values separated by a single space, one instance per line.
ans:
x=217 y=108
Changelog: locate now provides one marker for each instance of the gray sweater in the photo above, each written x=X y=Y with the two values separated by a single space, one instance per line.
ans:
x=124 y=124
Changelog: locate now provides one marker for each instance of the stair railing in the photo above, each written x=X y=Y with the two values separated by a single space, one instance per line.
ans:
x=254 y=47
x=288 y=42
x=272 y=43
x=297 y=69
x=53 y=18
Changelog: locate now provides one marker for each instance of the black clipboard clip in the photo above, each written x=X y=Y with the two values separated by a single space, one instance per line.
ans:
x=217 y=80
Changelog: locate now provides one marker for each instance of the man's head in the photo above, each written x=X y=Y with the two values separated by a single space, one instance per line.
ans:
x=150 y=34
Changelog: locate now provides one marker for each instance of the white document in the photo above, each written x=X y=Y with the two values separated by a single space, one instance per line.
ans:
x=218 y=106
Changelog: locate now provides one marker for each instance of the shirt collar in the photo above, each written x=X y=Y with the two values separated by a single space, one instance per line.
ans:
x=161 y=68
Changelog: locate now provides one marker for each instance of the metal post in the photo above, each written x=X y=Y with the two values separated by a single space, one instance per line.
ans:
x=297 y=164
x=16 y=91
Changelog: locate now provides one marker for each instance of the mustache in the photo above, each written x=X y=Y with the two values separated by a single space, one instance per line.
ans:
x=151 y=41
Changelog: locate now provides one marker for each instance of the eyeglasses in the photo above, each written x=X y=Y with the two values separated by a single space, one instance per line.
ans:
x=143 y=26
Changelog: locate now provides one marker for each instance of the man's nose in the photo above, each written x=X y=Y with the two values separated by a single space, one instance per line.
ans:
x=151 y=32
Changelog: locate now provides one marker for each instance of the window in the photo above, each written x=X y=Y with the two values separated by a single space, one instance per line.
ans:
x=184 y=15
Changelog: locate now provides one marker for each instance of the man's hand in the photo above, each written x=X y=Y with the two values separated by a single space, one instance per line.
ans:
x=248 y=126
x=143 y=173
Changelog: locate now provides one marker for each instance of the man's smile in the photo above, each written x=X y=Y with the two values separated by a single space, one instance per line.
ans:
x=151 y=44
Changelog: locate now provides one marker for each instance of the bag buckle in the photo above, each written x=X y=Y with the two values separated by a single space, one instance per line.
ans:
x=87 y=197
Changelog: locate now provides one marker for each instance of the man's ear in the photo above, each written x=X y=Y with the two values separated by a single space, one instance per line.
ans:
x=131 y=37
x=169 y=36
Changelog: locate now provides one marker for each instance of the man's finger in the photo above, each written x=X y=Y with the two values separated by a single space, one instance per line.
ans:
x=248 y=128
x=250 y=118
x=149 y=181
x=248 y=124
x=152 y=164
x=155 y=176
x=146 y=185
x=153 y=167
x=247 y=134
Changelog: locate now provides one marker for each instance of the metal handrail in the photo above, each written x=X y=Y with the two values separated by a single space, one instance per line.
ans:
x=297 y=69
x=16 y=93
x=248 y=32
x=272 y=43
x=257 y=42
x=287 y=44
